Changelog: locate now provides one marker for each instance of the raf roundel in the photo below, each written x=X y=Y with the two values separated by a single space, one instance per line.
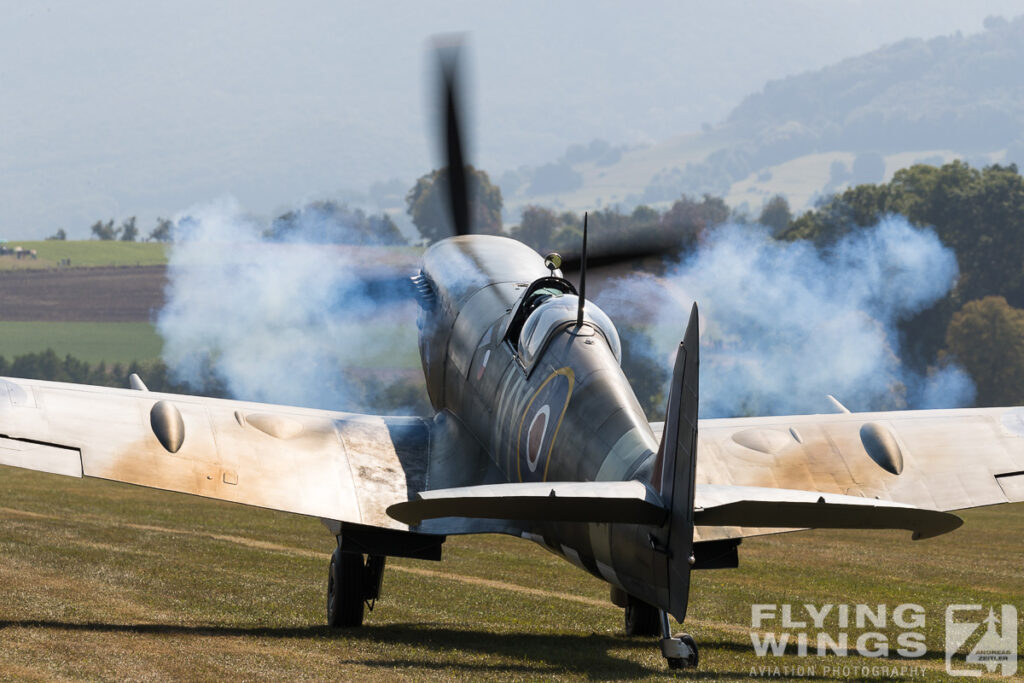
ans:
x=535 y=436
x=538 y=428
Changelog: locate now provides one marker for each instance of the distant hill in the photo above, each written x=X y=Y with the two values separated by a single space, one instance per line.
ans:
x=853 y=122
x=964 y=93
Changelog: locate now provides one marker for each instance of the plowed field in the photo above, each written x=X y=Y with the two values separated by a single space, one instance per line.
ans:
x=110 y=294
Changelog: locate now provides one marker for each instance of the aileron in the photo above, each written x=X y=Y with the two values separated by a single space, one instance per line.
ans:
x=41 y=457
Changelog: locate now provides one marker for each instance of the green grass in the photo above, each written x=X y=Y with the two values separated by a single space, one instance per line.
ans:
x=126 y=342
x=90 y=253
x=396 y=345
x=197 y=589
x=87 y=253
x=88 y=341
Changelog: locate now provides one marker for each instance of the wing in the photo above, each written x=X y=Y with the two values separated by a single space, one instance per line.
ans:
x=336 y=466
x=933 y=460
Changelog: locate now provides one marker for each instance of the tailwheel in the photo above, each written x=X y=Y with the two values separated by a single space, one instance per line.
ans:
x=680 y=651
x=345 y=589
x=641 y=618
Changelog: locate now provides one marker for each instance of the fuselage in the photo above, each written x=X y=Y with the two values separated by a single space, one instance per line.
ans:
x=502 y=352
x=545 y=397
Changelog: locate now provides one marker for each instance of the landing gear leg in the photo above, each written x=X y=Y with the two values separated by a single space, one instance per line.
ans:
x=680 y=651
x=641 y=618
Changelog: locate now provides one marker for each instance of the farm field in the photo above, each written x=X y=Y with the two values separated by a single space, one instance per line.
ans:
x=114 y=342
x=86 y=253
x=124 y=342
x=107 y=313
x=115 y=254
x=198 y=589
x=101 y=294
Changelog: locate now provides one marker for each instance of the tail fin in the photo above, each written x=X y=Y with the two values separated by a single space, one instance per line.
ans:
x=676 y=466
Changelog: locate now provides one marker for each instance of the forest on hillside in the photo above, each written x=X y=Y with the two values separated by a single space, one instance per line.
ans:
x=950 y=92
x=958 y=93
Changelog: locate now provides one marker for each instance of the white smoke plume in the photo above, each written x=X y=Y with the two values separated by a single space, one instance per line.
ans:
x=783 y=324
x=279 y=322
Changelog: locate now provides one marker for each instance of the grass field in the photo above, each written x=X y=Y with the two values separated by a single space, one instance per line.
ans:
x=90 y=253
x=126 y=342
x=115 y=582
x=88 y=341
x=87 y=253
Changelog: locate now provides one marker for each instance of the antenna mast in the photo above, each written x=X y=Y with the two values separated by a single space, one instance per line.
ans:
x=583 y=275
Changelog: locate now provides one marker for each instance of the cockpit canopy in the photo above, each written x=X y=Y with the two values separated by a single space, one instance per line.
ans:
x=556 y=311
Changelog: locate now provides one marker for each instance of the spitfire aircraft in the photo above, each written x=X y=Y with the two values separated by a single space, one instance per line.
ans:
x=536 y=433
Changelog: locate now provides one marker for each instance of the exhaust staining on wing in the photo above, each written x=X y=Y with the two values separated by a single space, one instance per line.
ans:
x=388 y=460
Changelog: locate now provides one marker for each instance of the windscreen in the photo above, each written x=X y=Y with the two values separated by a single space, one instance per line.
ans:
x=557 y=312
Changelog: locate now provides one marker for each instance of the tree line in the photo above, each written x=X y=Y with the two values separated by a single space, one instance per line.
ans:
x=676 y=229
x=48 y=365
x=979 y=214
x=127 y=231
x=976 y=212
x=319 y=222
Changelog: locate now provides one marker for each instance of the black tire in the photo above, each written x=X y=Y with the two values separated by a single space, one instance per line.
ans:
x=685 y=662
x=692 y=644
x=345 y=590
x=641 y=619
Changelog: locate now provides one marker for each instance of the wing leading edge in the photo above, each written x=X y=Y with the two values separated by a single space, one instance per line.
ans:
x=931 y=459
x=768 y=472
x=337 y=466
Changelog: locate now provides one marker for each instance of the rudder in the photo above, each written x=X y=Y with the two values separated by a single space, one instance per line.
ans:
x=676 y=466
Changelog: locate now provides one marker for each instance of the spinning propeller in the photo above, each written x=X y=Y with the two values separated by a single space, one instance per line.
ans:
x=458 y=194
x=605 y=251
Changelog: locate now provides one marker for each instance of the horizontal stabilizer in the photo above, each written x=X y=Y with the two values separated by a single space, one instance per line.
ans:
x=626 y=502
x=753 y=506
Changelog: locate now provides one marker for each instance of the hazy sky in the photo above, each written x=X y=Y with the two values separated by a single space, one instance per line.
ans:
x=122 y=108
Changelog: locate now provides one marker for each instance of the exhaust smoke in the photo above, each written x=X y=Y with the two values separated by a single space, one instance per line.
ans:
x=286 y=321
x=784 y=323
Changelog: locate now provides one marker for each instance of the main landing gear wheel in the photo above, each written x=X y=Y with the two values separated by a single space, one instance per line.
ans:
x=345 y=589
x=641 y=618
x=680 y=651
